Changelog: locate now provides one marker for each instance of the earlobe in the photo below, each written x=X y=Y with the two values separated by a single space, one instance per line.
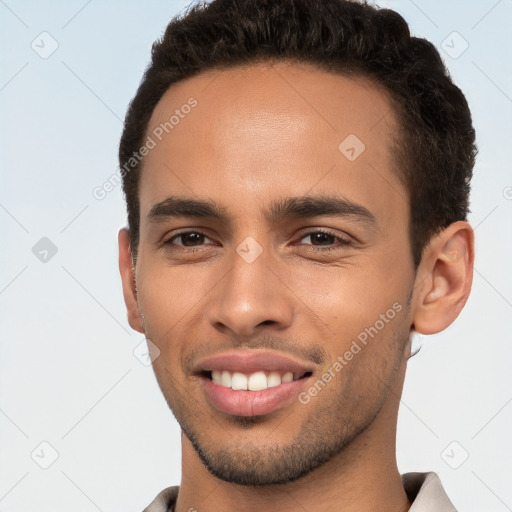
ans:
x=128 y=281
x=444 y=278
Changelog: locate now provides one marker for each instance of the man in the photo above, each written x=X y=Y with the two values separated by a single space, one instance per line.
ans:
x=296 y=175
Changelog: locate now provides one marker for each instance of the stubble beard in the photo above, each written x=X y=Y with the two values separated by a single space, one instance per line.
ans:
x=325 y=433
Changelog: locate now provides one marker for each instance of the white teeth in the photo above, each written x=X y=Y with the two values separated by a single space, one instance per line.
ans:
x=274 y=379
x=225 y=380
x=287 y=377
x=254 y=382
x=257 y=381
x=238 y=381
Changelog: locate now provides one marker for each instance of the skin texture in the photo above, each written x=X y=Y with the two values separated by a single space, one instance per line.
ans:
x=259 y=135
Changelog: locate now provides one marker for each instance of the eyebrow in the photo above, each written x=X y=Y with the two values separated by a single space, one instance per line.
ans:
x=317 y=206
x=286 y=208
x=185 y=207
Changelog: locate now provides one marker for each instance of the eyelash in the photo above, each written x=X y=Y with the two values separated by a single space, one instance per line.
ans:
x=342 y=241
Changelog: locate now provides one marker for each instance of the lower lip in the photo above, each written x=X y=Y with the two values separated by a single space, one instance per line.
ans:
x=251 y=403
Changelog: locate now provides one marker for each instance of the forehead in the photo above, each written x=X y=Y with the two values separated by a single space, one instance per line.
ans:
x=253 y=134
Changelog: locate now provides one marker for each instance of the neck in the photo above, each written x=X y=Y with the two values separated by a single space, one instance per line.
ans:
x=363 y=477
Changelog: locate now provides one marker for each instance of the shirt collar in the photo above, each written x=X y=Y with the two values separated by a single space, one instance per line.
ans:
x=424 y=491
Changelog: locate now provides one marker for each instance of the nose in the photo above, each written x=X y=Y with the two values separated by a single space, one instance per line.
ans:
x=251 y=296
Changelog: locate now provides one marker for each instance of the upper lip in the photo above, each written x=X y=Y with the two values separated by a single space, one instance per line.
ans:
x=251 y=360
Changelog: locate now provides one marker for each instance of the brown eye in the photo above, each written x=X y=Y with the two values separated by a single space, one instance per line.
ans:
x=187 y=239
x=325 y=240
x=320 y=238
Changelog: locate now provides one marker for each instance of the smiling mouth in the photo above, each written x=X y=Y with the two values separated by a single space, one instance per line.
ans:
x=254 y=381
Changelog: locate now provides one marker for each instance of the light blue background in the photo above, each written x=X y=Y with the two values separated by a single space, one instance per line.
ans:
x=68 y=374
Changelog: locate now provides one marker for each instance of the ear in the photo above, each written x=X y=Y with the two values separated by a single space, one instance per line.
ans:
x=127 y=271
x=444 y=278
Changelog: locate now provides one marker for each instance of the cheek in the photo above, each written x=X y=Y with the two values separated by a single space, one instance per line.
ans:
x=348 y=300
x=169 y=297
x=334 y=304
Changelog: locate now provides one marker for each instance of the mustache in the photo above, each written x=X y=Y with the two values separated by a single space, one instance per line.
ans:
x=305 y=350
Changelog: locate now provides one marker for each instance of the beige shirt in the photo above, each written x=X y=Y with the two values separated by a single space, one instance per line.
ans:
x=423 y=489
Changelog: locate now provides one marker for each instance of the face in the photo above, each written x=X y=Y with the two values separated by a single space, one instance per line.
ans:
x=274 y=254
